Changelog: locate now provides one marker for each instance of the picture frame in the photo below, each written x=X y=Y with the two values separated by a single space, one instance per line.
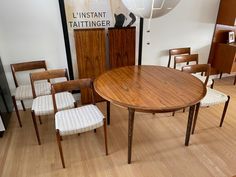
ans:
x=231 y=37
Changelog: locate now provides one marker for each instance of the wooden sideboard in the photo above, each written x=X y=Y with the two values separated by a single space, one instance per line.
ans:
x=225 y=58
x=226 y=22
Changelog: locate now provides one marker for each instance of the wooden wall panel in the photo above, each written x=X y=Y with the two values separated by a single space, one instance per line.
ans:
x=122 y=46
x=91 y=56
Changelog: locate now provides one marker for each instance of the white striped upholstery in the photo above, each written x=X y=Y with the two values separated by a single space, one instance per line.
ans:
x=24 y=92
x=213 y=97
x=203 y=78
x=43 y=105
x=78 y=120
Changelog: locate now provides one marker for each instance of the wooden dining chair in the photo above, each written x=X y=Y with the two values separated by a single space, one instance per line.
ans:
x=192 y=59
x=178 y=51
x=212 y=97
x=43 y=105
x=24 y=91
x=77 y=120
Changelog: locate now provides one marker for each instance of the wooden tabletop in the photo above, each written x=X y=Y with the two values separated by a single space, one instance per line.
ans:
x=150 y=88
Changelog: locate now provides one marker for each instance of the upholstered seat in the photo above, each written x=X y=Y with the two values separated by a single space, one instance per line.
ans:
x=24 y=92
x=43 y=105
x=78 y=120
x=213 y=97
x=203 y=78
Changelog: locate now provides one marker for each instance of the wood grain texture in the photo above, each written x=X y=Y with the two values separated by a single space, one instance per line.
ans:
x=225 y=58
x=150 y=88
x=185 y=59
x=178 y=51
x=158 y=141
x=227 y=13
x=122 y=46
x=91 y=57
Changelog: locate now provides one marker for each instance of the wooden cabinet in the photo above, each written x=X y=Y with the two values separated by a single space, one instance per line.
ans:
x=227 y=13
x=225 y=58
x=121 y=46
x=91 y=57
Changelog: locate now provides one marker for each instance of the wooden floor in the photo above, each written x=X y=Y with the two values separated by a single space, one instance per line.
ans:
x=158 y=146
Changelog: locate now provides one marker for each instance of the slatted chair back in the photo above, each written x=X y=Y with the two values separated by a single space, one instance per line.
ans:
x=26 y=66
x=47 y=75
x=185 y=59
x=72 y=85
x=178 y=51
x=199 y=68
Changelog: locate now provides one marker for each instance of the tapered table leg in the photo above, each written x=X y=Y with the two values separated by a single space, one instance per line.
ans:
x=130 y=133
x=189 y=125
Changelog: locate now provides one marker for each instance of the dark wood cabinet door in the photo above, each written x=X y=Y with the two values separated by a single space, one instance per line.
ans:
x=91 y=57
x=227 y=12
x=121 y=46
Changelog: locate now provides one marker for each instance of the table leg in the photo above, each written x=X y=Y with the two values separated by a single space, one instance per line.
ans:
x=189 y=125
x=130 y=133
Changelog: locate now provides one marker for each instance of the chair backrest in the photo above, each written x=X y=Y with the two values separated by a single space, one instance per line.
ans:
x=72 y=85
x=185 y=59
x=178 y=51
x=47 y=75
x=198 y=68
x=26 y=66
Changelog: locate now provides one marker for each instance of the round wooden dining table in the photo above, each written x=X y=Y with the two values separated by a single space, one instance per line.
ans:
x=153 y=89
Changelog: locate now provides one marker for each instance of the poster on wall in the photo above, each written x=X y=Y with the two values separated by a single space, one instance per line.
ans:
x=96 y=14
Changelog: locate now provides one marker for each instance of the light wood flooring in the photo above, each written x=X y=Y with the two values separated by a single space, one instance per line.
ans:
x=158 y=146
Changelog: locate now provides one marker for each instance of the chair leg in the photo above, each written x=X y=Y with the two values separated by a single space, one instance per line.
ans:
x=183 y=109
x=60 y=147
x=105 y=135
x=212 y=85
x=224 y=111
x=94 y=130
x=221 y=75
x=23 y=106
x=195 y=117
x=36 y=127
x=40 y=120
x=173 y=113
x=234 y=80
x=108 y=112
x=17 y=111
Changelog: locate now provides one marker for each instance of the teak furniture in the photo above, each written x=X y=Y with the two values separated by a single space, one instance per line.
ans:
x=121 y=46
x=77 y=120
x=24 y=92
x=91 y=57
x=225 y=58
x=43 y=105
x=212 y=96
x=178 y=51
x=226 y=22
x=150 y=89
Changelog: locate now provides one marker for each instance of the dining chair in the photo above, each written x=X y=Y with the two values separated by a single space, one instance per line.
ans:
x=77 y=120
x=190 y=59
x=24 y=91
x=178 y=51
x=43 y=105
x=212 y=97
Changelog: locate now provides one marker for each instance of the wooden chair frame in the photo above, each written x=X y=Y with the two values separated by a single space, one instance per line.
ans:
x=207 y=69
x=44 y=75
x=70 y=86
x=178 y=51
x=185 y=59
x=24 y=66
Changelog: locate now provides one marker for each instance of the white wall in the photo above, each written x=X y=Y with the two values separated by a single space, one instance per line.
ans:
x=191 y=24
x=31 y=30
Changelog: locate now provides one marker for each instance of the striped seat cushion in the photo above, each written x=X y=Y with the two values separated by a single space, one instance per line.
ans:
x=78 y=120
x=213 y=97
x=24 y=92
x=203 y=78
x=43 y=105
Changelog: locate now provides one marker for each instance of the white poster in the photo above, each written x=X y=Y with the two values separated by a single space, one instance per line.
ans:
x=96 y=14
